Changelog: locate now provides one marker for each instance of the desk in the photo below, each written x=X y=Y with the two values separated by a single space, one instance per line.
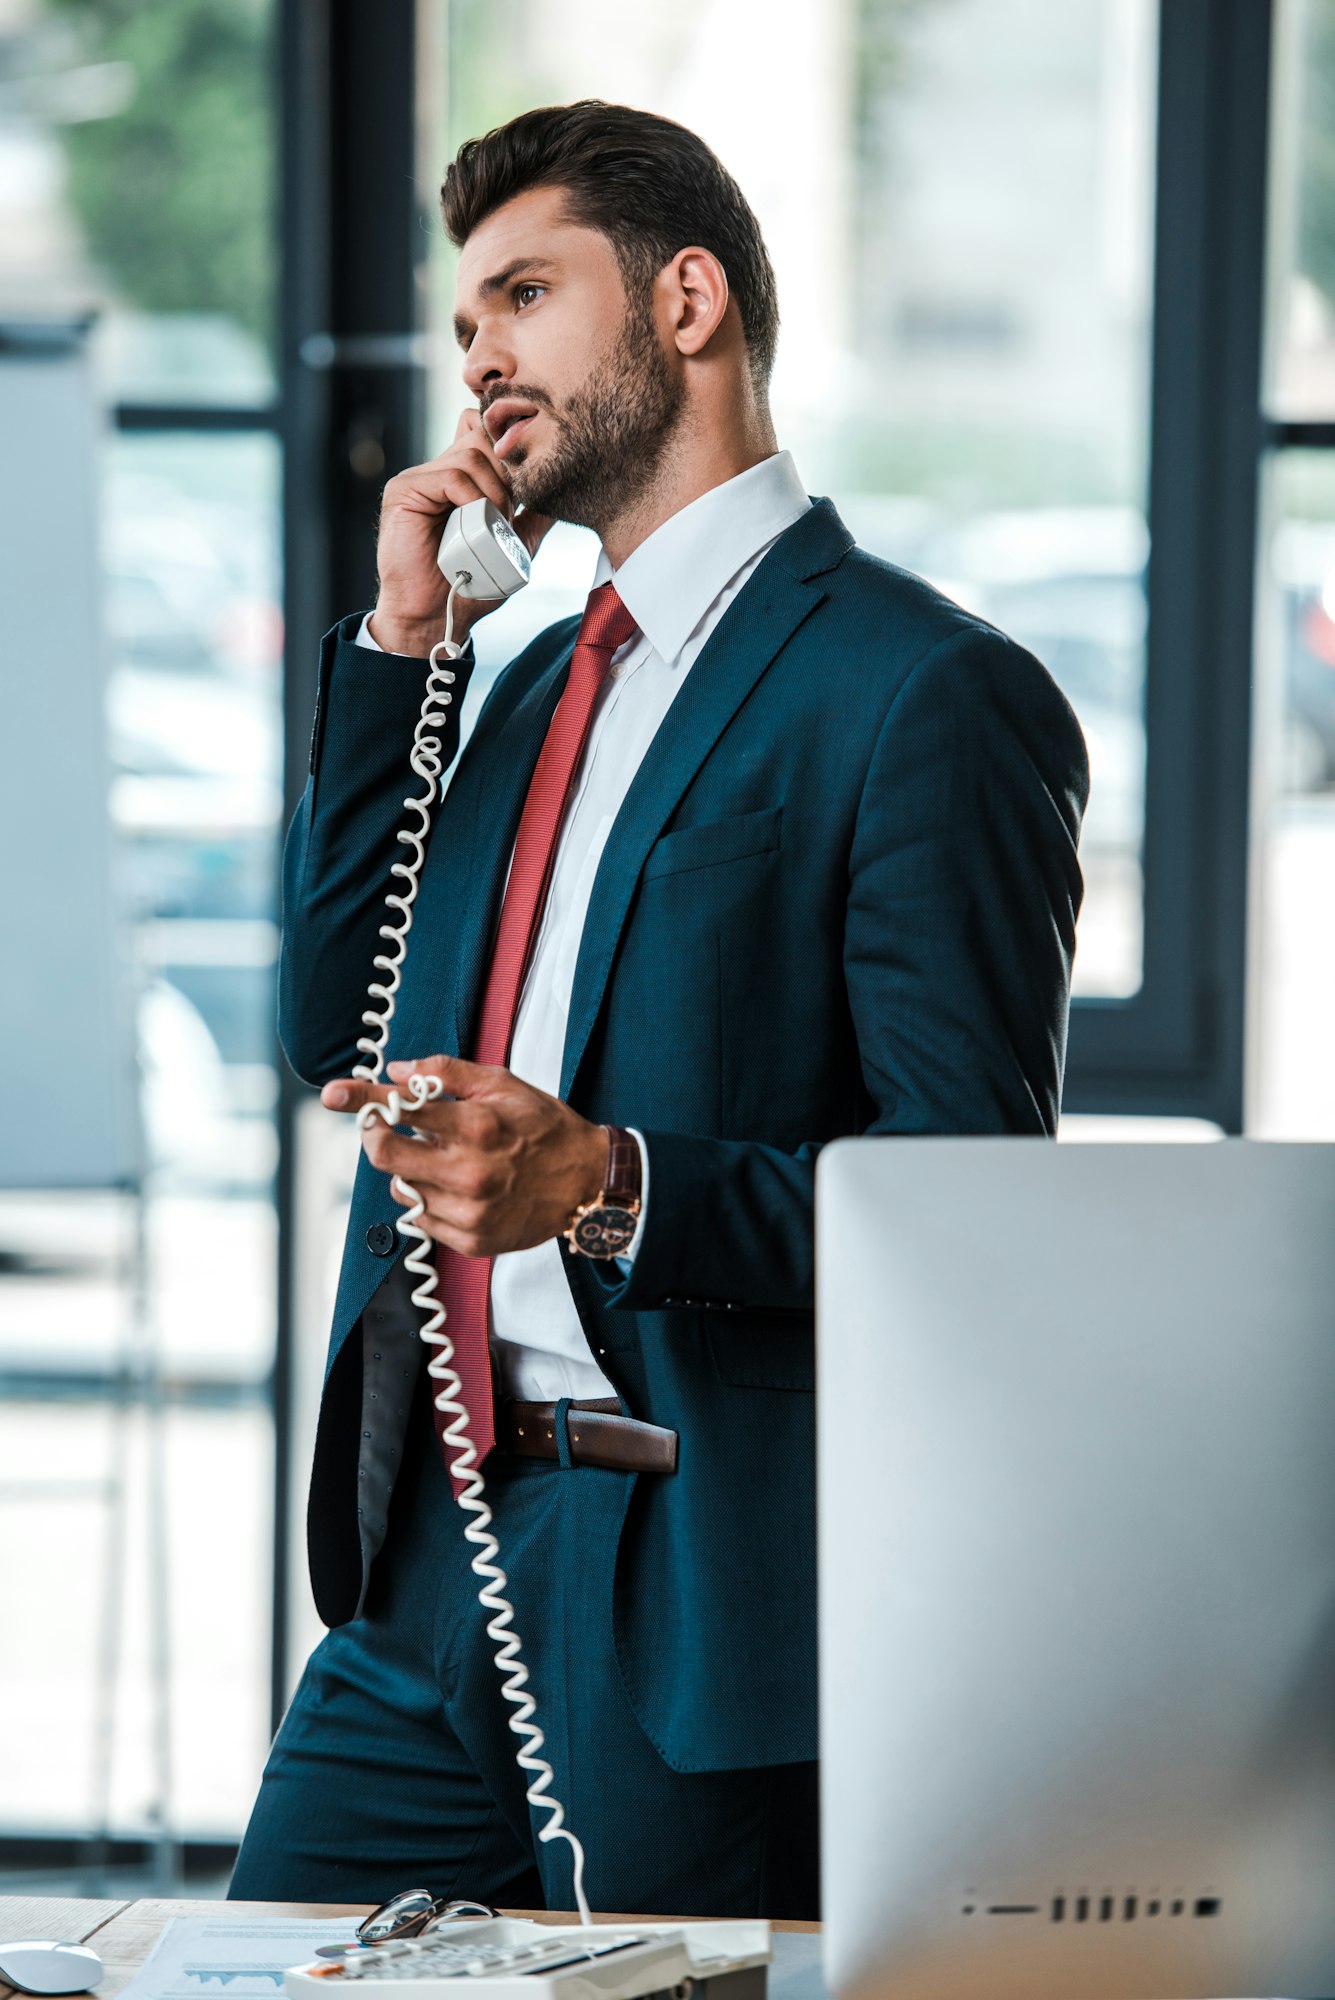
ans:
x=123 y=1934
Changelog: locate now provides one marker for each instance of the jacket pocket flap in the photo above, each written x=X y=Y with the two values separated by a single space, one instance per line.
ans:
x=718 y=840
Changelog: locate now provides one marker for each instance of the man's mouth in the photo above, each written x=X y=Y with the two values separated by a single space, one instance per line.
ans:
x=507 y=421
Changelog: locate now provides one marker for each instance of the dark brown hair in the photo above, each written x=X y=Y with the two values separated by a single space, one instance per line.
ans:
x=649 y=185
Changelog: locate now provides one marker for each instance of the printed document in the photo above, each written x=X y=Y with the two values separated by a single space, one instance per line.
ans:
x=232 y=1958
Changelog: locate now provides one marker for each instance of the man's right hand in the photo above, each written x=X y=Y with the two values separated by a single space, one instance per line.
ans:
x=409 y=616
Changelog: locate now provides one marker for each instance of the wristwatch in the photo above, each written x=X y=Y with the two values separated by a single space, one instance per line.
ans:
x=606 y=1226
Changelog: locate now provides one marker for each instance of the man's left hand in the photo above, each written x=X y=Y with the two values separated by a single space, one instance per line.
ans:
x=500 y=1165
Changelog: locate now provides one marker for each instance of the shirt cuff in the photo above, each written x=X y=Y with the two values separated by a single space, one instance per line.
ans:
x=365 y=637
x=633 y=1247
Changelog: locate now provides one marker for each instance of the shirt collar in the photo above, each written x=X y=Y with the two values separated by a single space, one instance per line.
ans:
x=672 y=578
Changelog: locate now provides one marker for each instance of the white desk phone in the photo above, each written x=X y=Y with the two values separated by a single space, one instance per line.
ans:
x=482 y=557
x=509 y=1958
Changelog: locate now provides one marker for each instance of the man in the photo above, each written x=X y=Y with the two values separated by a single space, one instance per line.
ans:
x=778 y=845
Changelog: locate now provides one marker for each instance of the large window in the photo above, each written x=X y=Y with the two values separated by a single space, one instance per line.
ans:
x=1019 y=254
x=137 y=1323
x=959 y=202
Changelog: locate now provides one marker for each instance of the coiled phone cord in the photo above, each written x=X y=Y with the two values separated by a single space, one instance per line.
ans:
x=428 y=763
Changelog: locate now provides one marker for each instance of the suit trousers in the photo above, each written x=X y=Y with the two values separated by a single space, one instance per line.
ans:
x=395 y=1766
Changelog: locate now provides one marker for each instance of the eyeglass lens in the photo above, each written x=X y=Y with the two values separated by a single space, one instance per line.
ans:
x=416 y=1911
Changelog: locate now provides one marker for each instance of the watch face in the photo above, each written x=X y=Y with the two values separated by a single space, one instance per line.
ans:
x=604 y=1232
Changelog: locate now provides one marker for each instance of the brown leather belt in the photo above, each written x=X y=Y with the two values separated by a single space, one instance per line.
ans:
x=599 y=1435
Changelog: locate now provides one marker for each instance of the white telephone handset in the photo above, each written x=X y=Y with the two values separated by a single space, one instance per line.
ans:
x=480 y=555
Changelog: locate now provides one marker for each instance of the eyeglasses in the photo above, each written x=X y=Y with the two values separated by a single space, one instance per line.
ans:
x=411 y=1914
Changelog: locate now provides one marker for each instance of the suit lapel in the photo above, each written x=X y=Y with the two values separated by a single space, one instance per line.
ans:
x=762 y=619
x=498 y=763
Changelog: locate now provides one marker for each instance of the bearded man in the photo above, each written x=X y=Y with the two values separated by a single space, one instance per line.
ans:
x=775 y=844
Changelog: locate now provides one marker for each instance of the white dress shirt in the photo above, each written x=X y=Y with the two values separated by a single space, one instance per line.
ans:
x=677 y=585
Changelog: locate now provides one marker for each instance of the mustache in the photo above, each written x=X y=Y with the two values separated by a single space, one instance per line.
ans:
x=522 y=392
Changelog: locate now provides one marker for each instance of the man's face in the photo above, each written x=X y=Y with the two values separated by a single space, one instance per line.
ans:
x=575 y=385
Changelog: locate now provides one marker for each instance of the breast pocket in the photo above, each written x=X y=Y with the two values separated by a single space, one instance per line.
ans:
x=692 y=847
x=708 y=899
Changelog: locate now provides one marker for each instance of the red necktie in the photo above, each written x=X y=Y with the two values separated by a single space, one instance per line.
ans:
x=465 y=1282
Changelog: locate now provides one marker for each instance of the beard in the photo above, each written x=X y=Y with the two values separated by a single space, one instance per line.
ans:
x=612 y=434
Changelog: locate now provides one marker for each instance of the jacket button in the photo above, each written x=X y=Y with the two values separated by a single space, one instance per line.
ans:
x=381 y=1238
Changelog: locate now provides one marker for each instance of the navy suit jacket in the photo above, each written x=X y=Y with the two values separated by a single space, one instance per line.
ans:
x=840 y=897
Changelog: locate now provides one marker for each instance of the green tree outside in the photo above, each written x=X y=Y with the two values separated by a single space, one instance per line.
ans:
x=175 y=193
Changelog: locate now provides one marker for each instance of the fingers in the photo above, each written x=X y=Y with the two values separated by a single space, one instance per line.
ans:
x=468 y=1156
x=473 y=448
x=475 y=468
x=451 y=1074
x=460 y=1171
x=461 y=1192
x=470 y=475
x=448 y=1122
x=464 y=471
x=349 y=1093
x=461 y=1222
x=460 y=1078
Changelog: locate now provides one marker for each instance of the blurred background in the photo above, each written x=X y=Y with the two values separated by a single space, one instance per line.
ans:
x=1058 y=292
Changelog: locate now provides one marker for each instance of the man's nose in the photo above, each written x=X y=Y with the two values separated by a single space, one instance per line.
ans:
x=487 y=364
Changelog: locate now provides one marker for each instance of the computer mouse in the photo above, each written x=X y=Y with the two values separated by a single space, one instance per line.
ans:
x=49 y=1968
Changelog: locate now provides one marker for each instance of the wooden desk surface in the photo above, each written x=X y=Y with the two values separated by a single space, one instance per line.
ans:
x=123 y=1934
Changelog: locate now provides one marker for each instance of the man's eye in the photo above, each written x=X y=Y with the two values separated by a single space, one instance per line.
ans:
x=525 y=294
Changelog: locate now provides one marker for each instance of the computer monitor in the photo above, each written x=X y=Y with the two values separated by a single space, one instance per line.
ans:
x=1076 y=1439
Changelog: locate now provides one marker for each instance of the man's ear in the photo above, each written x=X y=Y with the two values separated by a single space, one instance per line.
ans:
x=697 y=298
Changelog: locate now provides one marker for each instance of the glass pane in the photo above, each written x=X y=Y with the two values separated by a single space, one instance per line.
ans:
x=136 y=182
x=1292 y=1077
x=91 y=1735
x=105 y=1296
x=958 y=202
x=136 y=161
x=195 y=721
x=1301 y=333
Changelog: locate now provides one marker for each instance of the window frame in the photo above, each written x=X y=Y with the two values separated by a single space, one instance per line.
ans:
x=351 y=308
x=1177 y=1046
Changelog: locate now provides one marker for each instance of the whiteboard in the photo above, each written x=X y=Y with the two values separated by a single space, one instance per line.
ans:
x=65 y=1008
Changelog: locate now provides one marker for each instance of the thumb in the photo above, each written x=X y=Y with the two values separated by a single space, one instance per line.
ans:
x=458 y=1078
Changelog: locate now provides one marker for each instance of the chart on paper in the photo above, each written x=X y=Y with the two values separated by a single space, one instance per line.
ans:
x=241 y=1957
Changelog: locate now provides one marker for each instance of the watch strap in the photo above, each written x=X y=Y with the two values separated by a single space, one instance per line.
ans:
x=624 y=1183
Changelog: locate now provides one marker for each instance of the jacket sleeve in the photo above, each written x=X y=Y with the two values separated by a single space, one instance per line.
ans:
x=343 y=840
x=963 y=894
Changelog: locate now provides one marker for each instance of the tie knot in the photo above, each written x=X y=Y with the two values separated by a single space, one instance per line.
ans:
x=606 y=624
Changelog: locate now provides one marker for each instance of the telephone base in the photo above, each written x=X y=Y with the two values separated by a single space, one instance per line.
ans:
x=512 y=1959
